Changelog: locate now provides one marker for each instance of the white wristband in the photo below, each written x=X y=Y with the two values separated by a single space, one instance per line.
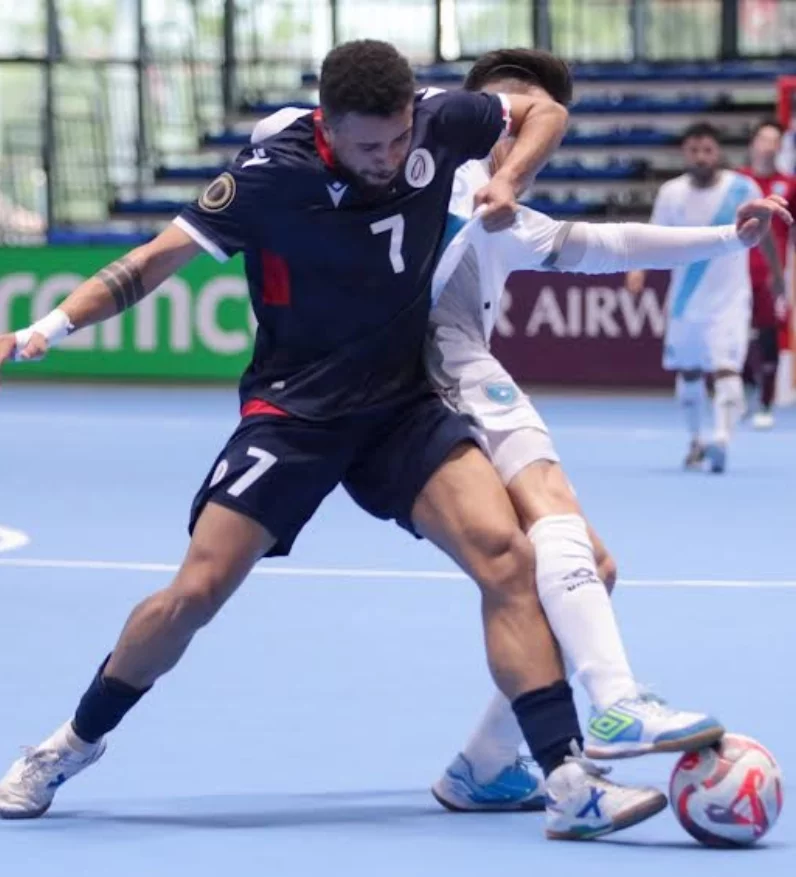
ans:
x=54 y=328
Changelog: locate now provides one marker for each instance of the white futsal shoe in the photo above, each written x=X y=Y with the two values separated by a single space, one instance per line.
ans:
x=582 y=804
x=28 y=789
x=646 y=723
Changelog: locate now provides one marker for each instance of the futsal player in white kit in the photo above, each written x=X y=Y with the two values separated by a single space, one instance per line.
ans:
x=468 y=285
x=710 y=301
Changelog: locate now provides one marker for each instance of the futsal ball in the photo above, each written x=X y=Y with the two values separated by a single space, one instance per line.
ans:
x=729 y=795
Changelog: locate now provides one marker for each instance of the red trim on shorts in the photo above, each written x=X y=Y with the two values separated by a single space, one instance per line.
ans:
x=260 y=406
x=276 y=280
x=321 y=143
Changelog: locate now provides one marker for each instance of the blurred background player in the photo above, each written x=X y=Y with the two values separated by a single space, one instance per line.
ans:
x=709 y=302
x=570 y=561
x=769 y=297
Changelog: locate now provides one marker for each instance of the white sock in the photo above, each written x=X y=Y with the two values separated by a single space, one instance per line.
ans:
x=495 y=742
x=579 y=609
x=728 y=407
x=65 y=737
x=692 y=397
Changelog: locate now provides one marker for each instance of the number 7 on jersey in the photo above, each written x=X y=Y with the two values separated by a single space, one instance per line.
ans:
x=395 y=226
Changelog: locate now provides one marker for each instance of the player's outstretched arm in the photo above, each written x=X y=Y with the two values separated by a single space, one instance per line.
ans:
x=597 y=248
x=113 y=289
x=537 y=242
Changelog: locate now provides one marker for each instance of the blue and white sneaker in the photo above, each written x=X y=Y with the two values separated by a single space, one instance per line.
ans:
x=28 y=789
x=582 y=804
x=644 y=724
x=516 y=787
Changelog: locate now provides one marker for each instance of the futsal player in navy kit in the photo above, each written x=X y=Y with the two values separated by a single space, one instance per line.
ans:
x=339 y=214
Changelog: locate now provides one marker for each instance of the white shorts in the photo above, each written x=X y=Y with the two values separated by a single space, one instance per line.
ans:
x=707 y=346
x=474 y=383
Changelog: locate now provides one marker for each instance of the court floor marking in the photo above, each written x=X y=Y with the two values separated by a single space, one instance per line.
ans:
x=312 y=572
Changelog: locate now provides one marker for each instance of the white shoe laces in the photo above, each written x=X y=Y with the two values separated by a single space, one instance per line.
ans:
x=654 y=702
x=40 y=762
x=588 y=767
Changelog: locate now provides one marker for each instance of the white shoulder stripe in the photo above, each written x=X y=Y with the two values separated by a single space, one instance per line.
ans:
x=277 y=122
x=200 y=238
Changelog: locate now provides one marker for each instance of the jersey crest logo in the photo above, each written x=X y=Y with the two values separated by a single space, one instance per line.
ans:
x=219 y=194
x=420 y=168
x=780 y=188
x=336 y=192
x=502 y=394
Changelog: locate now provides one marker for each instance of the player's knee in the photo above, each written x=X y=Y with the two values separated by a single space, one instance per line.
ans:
x=192 y=608
x=504 y=568
x=197 y=594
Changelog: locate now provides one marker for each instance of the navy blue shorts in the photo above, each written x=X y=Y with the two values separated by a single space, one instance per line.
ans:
x=277 y=469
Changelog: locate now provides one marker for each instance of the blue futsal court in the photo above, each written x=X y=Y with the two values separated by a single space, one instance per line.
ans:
x=300 y=734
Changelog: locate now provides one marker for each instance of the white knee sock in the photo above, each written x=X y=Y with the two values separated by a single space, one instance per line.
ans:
x=579 y=609
x=692 y=397
x=728 y=407
x=495 y=742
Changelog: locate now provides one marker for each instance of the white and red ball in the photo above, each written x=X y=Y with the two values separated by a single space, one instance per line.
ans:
x=728 y=795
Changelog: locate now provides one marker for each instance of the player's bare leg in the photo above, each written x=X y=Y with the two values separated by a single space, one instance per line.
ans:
x=224 y=547
x=728 y=408
x=502 y=779
x=579 y=612
x=691 y=391
x=465 y=510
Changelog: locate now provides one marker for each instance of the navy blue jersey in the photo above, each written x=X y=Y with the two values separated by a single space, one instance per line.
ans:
x=339 y=277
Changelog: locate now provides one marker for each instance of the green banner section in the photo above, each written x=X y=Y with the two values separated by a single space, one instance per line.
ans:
x=197 y=325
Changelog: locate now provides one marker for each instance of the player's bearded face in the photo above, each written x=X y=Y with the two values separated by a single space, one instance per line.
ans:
x=702 y=158
x=371 y=149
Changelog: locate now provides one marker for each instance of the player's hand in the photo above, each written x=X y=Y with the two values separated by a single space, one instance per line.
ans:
x=498 y=204
x=36 y=348
x=634 y=282
x=781 y=308
x=753 y=219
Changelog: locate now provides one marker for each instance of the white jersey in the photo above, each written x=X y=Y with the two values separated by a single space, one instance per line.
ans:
x=466 y=291
x=706 y=290
x=471 y=276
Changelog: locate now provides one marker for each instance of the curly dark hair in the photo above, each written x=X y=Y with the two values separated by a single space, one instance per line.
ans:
x=534 y=66
x=365 y=76
x=701 y=129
